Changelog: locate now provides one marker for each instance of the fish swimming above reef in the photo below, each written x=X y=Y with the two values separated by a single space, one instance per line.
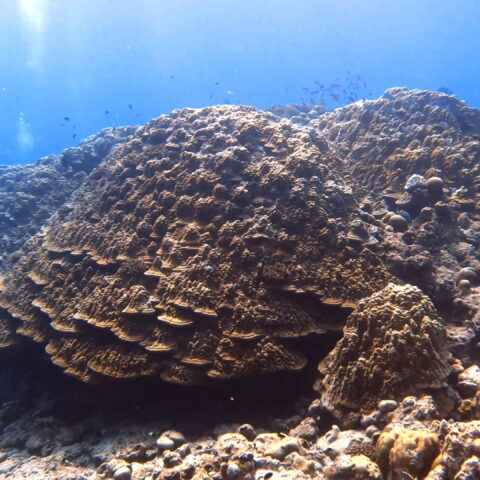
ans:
x=445 y=90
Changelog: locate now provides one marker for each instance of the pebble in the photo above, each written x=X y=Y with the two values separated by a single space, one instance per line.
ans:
x=371 y=430
x=122 y=473
x=464 y=285
x=281 y=449
x=332 y=435
x=466 y=273
x=233 y=470
x=386 y=406
x=414 y=181
x=184 y=450
x=435 y=185
x=177 y=437
x=247 y=431
x=398 y=223
x=165 y=443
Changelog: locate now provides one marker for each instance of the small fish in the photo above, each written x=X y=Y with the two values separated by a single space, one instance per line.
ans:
x=217 y=83
x=130 y=106
x=66 y=118
x=107 y=112
x=74 y=135
x=172 y=76
x=445 y=90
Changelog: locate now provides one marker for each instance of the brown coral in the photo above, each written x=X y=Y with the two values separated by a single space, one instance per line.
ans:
x=406 y=132
x=203 y=248
x=394 y=344
x=407 y=451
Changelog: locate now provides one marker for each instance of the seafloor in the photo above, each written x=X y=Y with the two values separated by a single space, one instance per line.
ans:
x=230 y=293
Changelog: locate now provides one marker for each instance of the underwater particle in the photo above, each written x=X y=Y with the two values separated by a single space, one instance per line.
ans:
x=130 y=106
x=398 y=222
x=107 y=112
x=230 y=92
x=67 y=119
x=74 y=135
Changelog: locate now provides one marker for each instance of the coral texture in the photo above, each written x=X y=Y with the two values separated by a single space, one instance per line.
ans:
x=30 y=194
x=406 y=132
x=203 y=248
x=394 y=344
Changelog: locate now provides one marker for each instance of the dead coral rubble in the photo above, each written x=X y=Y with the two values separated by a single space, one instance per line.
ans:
x=202 y=249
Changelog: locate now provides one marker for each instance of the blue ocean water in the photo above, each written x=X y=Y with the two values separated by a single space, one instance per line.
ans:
x=71 y=67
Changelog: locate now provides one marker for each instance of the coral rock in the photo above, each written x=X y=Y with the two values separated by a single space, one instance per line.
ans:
x=204 y=248
x=394 y=344
x=347 y=467
x=409 y=451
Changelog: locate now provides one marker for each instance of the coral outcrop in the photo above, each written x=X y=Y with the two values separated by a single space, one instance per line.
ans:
x=406 y=132
x=30 y=194
x=394 y=344
x=204 y=248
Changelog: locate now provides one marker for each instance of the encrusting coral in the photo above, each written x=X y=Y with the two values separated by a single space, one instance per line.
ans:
x=201 y=249
x=394 y=344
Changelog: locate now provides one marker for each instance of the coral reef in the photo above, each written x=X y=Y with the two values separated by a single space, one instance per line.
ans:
x=204 y=248
x=30 y=194
x=228 y=242
x=394 y=344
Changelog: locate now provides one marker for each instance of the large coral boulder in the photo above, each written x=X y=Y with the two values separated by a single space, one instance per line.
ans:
x=394 y=345
x=204 y=248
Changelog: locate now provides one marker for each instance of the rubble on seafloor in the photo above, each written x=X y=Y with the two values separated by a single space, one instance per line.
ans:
x=226 y=249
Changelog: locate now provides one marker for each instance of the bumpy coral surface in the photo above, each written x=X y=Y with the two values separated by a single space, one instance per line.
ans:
x=407 y=132
x=394 y=344
x=30 y=194
x=204 y=248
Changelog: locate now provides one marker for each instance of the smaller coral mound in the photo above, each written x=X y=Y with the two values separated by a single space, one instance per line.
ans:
x=394 y=344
